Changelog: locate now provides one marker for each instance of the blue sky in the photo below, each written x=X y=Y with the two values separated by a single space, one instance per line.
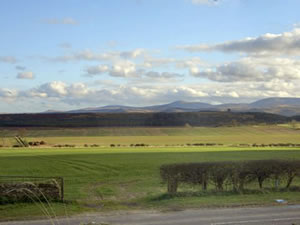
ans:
x=67 y=54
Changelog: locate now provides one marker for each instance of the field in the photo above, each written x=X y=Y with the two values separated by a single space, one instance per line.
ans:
x=125 y=178
x=105 y=179
x=175 y=136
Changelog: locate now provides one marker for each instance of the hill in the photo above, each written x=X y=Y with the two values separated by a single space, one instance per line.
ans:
x=280 y=106
x=139 y=119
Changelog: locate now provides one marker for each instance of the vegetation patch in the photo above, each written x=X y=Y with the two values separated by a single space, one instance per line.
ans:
x=119 y=178
x=30 y=192
x=234 y=174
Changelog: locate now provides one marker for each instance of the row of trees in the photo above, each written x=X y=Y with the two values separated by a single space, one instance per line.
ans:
x=235 y=174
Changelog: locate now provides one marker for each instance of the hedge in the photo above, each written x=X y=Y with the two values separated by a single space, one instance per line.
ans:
x=235 y=174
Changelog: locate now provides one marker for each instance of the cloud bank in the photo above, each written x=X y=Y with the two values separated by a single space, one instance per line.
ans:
x=287 y=43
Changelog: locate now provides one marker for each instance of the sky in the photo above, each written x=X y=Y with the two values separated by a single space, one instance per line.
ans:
x=70 y=54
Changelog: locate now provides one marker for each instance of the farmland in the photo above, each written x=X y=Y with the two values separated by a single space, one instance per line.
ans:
x=123 y=178
x=161 y=136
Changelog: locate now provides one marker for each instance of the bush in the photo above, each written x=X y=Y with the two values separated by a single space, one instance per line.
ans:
x=36 y=143
x=94 y=145
x=235 y=174
x=66 y=146
x=16 y=146
x=29 y=191
x=194 y=173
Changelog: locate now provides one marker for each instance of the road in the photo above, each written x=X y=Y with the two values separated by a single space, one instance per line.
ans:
x=283 y=215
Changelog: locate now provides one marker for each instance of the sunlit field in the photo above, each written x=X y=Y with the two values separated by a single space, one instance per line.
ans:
x=173 y=136
x=102 y=179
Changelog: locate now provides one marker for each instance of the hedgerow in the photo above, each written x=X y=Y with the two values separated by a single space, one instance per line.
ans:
x=234 y=174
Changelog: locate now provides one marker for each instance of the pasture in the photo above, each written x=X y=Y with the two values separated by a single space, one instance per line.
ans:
x=155 y=136
x=103 y=179
x=108 y=178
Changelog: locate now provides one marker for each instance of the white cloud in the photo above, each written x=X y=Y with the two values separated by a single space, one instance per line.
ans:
x=66 y=21
x=51 y=89
x=190 y=63
x=252 y=69
x=78 y=90
x=124 y=69
x=133 y=54
x=89 y=55
x=184 y=92
x=97 y=70
x=25 y=75
x=119 y=69
x=165 y=75
x=8 y=93
x=128 y=69
x=58 y=93
x=8 y=59
x=268 y=44
x=151 y=62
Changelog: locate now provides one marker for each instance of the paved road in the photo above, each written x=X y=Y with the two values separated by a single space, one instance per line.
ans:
x=283 y=215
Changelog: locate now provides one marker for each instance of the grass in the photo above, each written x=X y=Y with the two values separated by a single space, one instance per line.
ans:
x=102 y=179
x=174 y=136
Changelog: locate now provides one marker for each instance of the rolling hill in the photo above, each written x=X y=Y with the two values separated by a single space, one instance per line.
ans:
x=209 y=118
x=280 y=106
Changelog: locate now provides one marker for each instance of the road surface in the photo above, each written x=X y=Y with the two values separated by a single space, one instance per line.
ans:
x=283 y=215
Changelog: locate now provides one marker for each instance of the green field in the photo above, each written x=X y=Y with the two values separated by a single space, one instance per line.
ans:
x=105 y=178
x=101 y=179
x=175 y=136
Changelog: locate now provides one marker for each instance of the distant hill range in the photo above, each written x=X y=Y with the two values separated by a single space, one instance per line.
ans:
x=138 y=119
x=180 y=113
x=280 y=106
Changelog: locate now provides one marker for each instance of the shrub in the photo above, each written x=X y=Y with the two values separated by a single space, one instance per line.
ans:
x=36 y=143
x=289 y=170
x=220 y=172
x=94 y=145
x=65 y=145
x=29 y=191
x=194 y=173
x=16 y=146
x=235 y=174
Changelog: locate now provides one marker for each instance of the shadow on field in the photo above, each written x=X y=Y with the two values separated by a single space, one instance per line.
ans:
x=214 y=193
